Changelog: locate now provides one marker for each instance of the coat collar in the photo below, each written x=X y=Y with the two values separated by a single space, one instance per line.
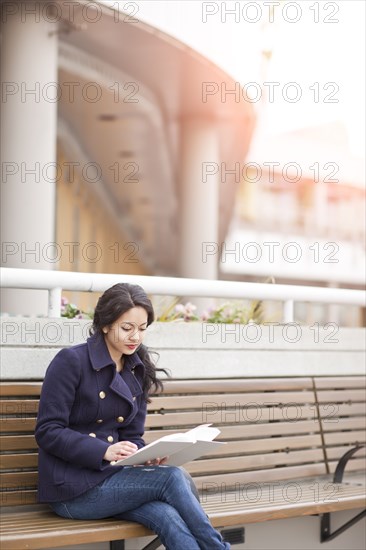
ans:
x=100 y=357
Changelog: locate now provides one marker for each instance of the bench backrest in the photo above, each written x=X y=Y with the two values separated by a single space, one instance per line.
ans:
x=275 y=429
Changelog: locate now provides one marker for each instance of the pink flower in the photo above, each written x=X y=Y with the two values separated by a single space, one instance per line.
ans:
x=190 y=308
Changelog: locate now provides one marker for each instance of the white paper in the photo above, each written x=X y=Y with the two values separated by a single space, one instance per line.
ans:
x=193 y=451
x=179 y=447
x=203 y=433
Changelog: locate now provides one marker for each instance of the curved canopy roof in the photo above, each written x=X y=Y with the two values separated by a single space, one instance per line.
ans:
x=127 y=88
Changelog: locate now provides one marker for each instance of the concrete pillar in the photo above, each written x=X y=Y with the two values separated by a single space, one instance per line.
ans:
x=333 y=311
x=28 y=145
x=199 y=201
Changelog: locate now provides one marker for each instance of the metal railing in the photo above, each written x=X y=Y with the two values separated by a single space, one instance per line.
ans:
x=57 y=281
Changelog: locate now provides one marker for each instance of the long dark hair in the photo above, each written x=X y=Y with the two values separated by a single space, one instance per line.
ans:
x=113 y=303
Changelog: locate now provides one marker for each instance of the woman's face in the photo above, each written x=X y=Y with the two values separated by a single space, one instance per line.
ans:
x=125 y=335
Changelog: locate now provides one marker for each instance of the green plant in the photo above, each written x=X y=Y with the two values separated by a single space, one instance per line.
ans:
x=228 y=312
x=71 y=311
x=235 y=312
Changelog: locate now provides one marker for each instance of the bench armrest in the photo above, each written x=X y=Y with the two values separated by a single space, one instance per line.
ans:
x=339 y=471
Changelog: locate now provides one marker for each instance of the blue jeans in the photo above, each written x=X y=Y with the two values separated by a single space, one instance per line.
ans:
x=159 y=497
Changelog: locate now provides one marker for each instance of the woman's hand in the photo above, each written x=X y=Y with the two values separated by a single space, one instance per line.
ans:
x=157 y=461
x=119 y=450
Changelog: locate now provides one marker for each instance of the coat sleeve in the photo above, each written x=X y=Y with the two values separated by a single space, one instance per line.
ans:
x=53 y=433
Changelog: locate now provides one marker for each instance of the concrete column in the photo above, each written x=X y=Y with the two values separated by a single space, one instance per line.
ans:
x=333 y=311
x=28 y=146
x=199 y=201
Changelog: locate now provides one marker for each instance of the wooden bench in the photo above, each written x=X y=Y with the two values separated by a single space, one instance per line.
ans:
x=284 y=435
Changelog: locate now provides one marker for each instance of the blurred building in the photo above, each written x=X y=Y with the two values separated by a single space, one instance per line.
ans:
x=300 y=216
x=126 y=151
x=106 y=123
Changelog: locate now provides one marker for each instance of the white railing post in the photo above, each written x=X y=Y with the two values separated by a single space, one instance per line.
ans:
x=288 y=311
x=54 y=302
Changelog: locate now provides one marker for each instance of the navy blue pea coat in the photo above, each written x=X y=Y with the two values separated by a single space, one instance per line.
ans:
x=85 y=406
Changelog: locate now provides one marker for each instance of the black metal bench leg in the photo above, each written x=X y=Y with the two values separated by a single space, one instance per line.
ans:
x=120 y=545
x=326 y=535
x=153 y=545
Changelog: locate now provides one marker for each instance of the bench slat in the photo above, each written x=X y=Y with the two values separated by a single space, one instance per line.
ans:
x=253 y=462
x=18 y=406
x=11 y=480
x=340 y=382
x=259 y=496
x=230 y=400
x=18 y=498
x=67 y=531
x=16 y=443
x=351 y=438
x=19 y=460
x=221 y=415
x=335 y=453
x=354 y=465
x=39 y=527
x=236 y=384
x=273 y=444
x=18 y=425
x=346 y=424
x=249 y=431
x=341 y=396
x=226 y=481
x=10 y=389
x=330 y=412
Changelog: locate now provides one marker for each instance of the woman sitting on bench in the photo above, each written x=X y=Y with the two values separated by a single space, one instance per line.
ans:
x=92 y=412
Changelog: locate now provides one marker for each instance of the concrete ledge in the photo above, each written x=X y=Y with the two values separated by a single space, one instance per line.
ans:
x=197 y=350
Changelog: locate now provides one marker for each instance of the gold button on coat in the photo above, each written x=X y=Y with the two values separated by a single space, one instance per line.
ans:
x=99 y=421
x=134 y=398
x=102 y=394
x=92 y=435
x=110 y=438
x=120 y=419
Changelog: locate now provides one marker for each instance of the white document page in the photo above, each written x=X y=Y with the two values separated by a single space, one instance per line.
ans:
x=193 y=451
x=179 y=447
